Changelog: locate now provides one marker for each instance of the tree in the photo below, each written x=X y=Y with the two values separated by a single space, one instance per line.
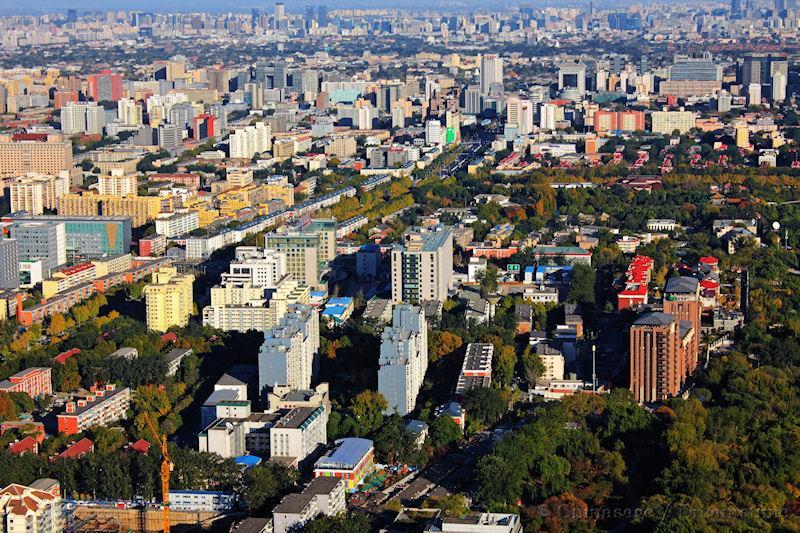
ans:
x=452 y=506
x=445 y=433
x=485 y=405
x=367 y=408
x=107 y=440
x=442 y=343
x=352 y=522
x=264 y=484
x=8 y=409
x=581 y=285
x=532 y=365
x=489 y=279
x=69 y=376
x=58 y=323
x=505 y=362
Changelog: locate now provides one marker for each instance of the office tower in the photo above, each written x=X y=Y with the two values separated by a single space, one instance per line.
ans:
x=422 y=266
x=170 y=138
x=181 y=115
x=754 y=94
x=129 y=112
x=250 y=141
x=572 y=80
x=682 y=299
x=254 y=95
x=759 y=69
x=403 y=359
x=72 y=15
x=308 y=249
x=778 y=86
x=472 y=100
x=35 y=193
x=288 y=355
x=254 y=16
x=280 y=12
x=41 y=241
x=491 y=72
x=82 y=117
x=86 y=238
x=3 y=99
x=105 y=86
x=203 y=127
x=433 y=133
x=519 y=113
x=280 y=75
x=168 y=299
x=398 y=117
x=736 y=8
x=547 y=117
x=9 y=263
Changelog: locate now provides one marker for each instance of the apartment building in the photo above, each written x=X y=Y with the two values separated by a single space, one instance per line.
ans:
x=403 y=359
x=83 y=118
x=422 y=266
x=298 y=434
x=666 y=122
x=238 y=306
x=288 y=355
x=476 y=369
x=32 y=509
x=659 y=347
x=682 y=300
x=141 y=209
x=257 y=266
x=247 y=142
x=117 y=184
x=102 y=407
x=34 y=382
x=9 y=263
x=308 y=249
x=321 y=496
x=279 y=188
x=35 y=193
x=169 y=299
x=48 y=154
x=68 y=277
x=178 y=223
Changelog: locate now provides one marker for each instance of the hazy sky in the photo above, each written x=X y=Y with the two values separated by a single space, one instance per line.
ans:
x=39 y=6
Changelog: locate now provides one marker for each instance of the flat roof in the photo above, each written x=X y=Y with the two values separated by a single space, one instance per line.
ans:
x=347 y=454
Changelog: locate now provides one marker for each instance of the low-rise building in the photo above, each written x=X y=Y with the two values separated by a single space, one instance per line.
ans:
x=34 y=382
x=321 y=496
x=352 y=459
x=298 y=434
x=476 y=370
x=101 y=408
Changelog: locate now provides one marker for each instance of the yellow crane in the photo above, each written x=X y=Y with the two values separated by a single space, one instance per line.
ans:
x=166 y=470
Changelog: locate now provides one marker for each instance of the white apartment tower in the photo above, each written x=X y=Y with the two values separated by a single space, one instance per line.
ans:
x=403 y=359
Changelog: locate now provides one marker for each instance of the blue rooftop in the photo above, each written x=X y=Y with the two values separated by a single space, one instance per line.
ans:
x=340 y=300
x=348 y=453
x=248 y=460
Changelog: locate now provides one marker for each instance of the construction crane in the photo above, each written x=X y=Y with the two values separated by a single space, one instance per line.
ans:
x=166 y=470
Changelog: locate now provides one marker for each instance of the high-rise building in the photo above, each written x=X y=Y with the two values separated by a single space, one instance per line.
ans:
x=778 y=86
x=168 y=299
x=117 y=184
x=83 y=117
x=87 y=238
x=519 y=113
x=204 y=127
x=288 y=355
x=20 y=155
x=129 y=112
x=35 y=193
x=433 y=133
x=250 y=141
x=170 y=137
x=33 y=509
x=658 y=346
x=44 y=241
x=472 y=100
x=760 y=69
x=666 y=122
x=256 y=266
x=105 y=86
x=491 y=72
x=682 y=300
x=308 y=249
x=9 y=263
x=572 y=79
x=547 y=116
x=141 y=209
x=422 y=266
x=605 y=121
x=403 y=359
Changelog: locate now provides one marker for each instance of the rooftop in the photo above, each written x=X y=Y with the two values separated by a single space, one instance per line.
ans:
x=347 y=454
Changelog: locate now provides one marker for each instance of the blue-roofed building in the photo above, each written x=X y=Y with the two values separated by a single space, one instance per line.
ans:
x=338 y=310
x=351 y=459
x=247 y=461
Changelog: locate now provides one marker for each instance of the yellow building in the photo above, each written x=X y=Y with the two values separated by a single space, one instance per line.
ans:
x=141 y=208
x=742 y=134
x=208 y=214
x=169 y=299
x=18 y=158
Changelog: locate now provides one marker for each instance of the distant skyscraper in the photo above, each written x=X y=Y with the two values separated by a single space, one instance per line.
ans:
x=572 y=77
x=105 y=86
x=491 y=71
x=280 y=12
x=254 y=16
x=736 y=8
x=72 y=15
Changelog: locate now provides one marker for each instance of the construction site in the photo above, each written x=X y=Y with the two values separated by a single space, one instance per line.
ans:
x=144 y=520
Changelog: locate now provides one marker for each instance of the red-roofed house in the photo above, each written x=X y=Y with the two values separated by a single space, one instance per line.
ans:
x=77 y=450
x=140 y=446
x=26 y=445
x=169 y=337
x=61 y=358
x=711 y=262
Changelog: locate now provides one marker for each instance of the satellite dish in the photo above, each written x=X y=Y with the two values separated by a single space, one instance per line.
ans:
x=776 y=225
